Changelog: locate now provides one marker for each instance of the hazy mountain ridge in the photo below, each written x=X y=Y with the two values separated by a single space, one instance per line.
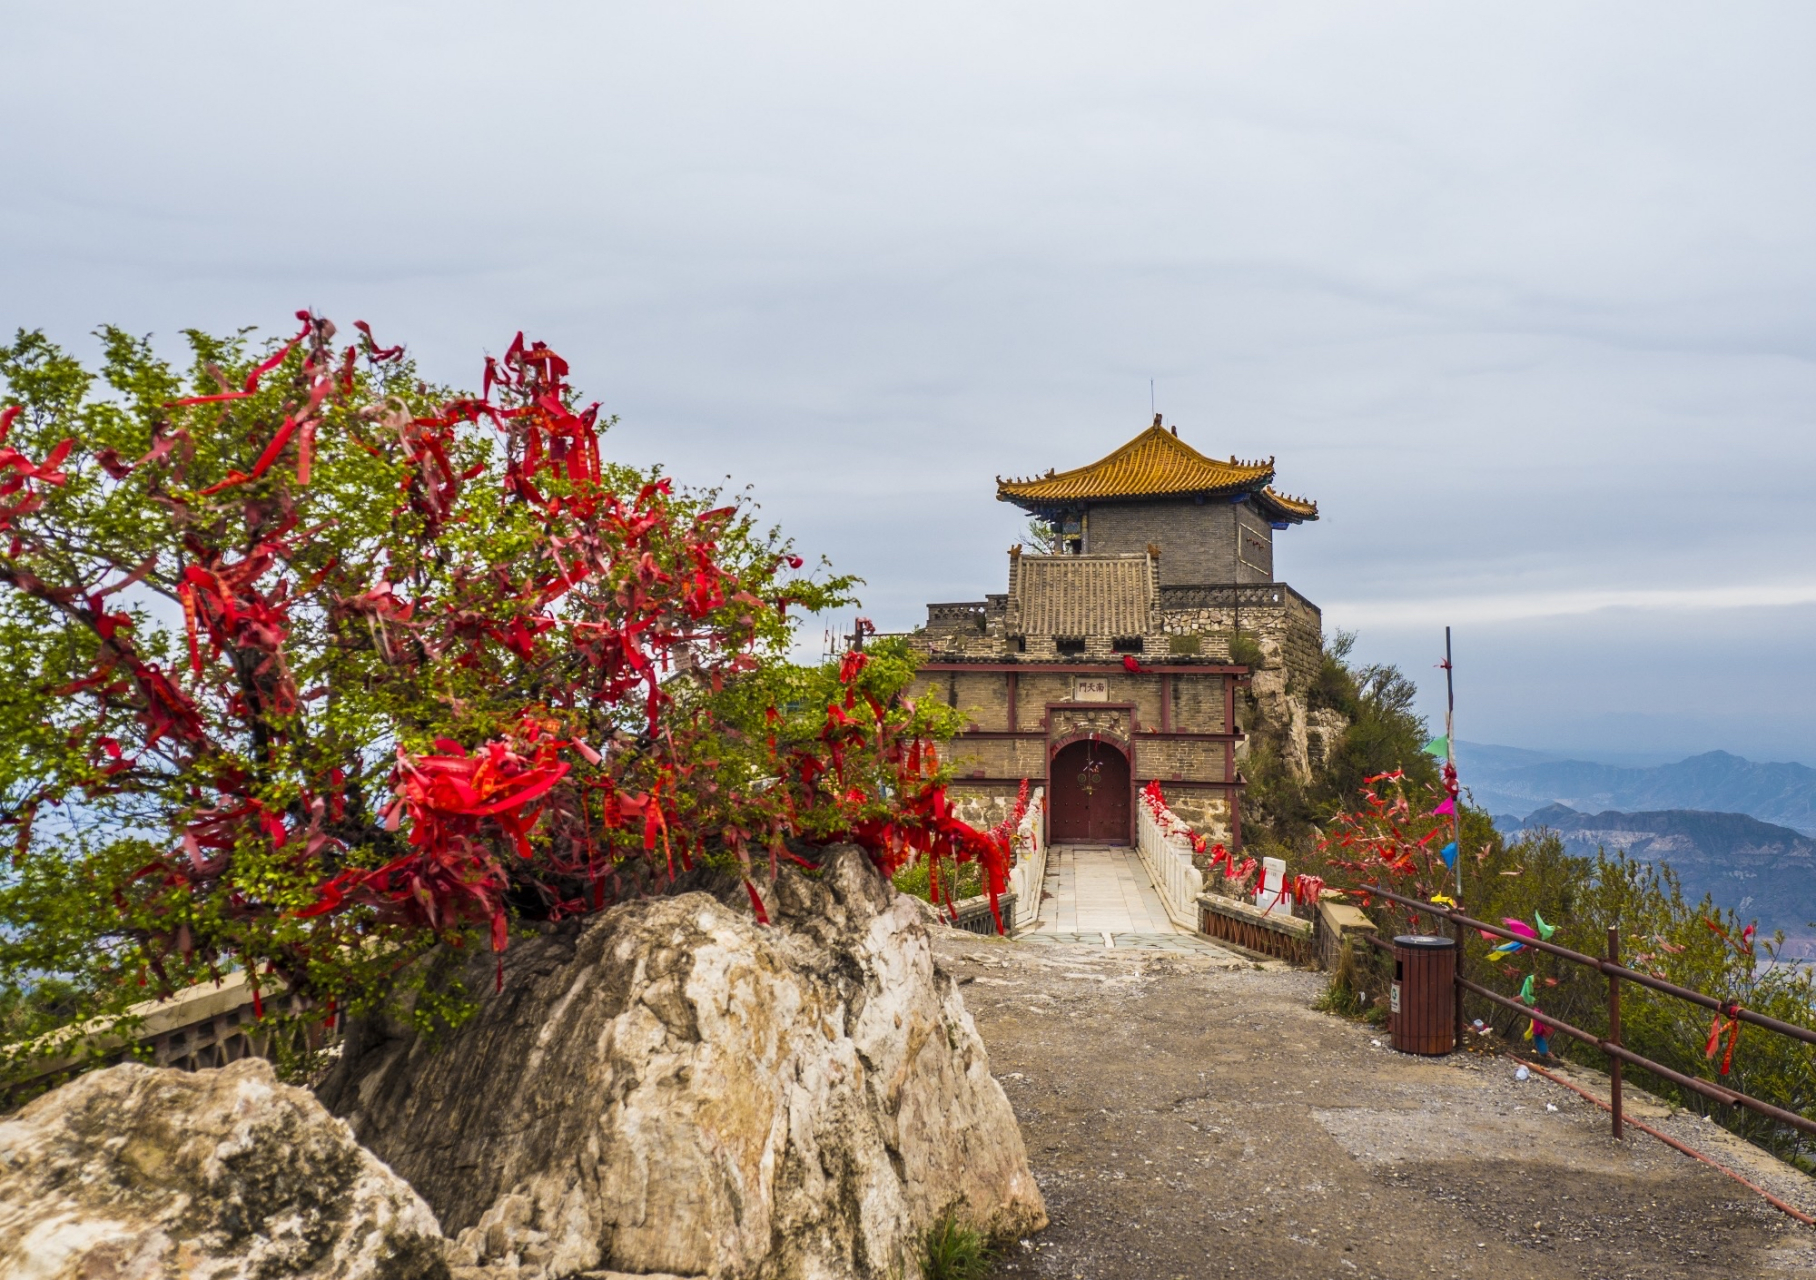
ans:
x=1512 y=780
x=1759 y=869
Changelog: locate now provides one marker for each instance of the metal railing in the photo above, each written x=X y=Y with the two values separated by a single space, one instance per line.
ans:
x=1617 y=974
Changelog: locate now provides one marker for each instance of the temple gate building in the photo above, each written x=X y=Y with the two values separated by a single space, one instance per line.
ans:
x=1117 y=655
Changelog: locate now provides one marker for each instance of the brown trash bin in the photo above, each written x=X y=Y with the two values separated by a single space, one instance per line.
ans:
x=1422 y=1006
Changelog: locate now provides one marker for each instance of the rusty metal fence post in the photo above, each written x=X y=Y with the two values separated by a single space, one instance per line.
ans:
x=1614 y=1029
x=1456 y=931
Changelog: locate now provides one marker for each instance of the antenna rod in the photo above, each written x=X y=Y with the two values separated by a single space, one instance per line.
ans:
x=1150 y=395
x=1450 y=755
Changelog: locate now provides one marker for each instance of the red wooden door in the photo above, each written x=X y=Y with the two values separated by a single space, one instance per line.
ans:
x=1090 y=794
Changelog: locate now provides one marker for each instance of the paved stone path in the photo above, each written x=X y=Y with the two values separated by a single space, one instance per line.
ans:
x=1191 y=1116
x=1101 y=896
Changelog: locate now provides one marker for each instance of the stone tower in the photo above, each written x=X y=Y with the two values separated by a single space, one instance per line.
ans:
x=1112 y=659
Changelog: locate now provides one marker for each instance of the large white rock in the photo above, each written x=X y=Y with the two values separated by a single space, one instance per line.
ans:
x=673 y=1089
x=143 y=1173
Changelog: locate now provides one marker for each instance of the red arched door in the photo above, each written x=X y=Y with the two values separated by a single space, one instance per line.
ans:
x=1090 y=794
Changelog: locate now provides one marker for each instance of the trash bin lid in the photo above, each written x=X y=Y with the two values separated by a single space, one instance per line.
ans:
x=1424 y=941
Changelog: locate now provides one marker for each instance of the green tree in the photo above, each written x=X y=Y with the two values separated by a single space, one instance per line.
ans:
x=1288 y=813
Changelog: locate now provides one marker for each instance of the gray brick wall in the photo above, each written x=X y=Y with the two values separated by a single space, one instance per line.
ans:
x=1255 y=546
x=1170 y=758
x=1198 y=705
x=1197 y=541
x=1213 y=541
x=981 y=697
x=997 y=757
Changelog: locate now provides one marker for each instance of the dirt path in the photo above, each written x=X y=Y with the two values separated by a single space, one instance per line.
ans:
x=1190 y=1115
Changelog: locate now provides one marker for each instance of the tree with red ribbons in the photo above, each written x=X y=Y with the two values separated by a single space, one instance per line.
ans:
x=316 y=666
x=1397 y=836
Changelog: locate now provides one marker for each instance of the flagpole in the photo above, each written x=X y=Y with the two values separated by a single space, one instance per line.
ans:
x=1450 y=757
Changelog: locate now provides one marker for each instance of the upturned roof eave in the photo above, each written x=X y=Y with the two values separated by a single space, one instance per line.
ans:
x=1031 y=502
x=1280 y=506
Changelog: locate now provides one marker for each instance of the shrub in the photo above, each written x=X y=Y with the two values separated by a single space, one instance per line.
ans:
x=1245 y=650
x=955 y=1251
x=1694 y=945
x=957 y=880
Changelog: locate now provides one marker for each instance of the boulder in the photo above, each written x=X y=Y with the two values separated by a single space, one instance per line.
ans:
x=142 y=1173
x=672 y=1089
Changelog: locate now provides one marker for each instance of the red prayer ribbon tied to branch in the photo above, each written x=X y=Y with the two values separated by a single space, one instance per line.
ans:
x=20 y=475
x=455 y=803
x=1726 y=1023
x=1005 y=830
x=1393 y=833
x=616 y=590
x=919 y=821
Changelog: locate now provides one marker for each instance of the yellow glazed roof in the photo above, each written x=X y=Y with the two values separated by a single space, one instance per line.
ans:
x=1155 y=464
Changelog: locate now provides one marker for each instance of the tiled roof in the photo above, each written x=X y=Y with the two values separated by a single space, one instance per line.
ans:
x=1082 y=595
x=1154 y=464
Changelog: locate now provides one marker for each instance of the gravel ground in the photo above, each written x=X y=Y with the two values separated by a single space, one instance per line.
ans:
x=1191 y=1115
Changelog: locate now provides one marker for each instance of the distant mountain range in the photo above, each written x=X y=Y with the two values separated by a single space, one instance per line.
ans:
x=1761 y=870
x=1511 y=780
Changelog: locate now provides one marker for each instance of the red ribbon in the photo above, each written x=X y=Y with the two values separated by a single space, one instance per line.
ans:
x=1719 y=1028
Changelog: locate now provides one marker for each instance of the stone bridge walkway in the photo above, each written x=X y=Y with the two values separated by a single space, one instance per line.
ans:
x=1192 y=1115
x=1102 y=896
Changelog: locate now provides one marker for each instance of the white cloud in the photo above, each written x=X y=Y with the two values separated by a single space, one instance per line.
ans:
x=1522 y=295
x=1389 y=614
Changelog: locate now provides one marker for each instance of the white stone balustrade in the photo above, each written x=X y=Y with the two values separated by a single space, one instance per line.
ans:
x=1030 y=871
x=1166 y=852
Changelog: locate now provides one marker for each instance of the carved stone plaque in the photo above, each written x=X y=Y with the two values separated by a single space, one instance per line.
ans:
x=1091 y=689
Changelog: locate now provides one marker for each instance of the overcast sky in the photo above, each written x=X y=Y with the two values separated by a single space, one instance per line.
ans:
x=1522 y=295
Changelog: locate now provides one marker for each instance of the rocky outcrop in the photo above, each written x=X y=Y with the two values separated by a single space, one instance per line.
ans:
x=673 y=1089
x=143 y=1173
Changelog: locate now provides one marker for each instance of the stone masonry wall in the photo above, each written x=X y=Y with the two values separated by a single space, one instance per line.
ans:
x=1174 y=758
x=983 y=806
x=1291 y=633
x=1204 y=811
